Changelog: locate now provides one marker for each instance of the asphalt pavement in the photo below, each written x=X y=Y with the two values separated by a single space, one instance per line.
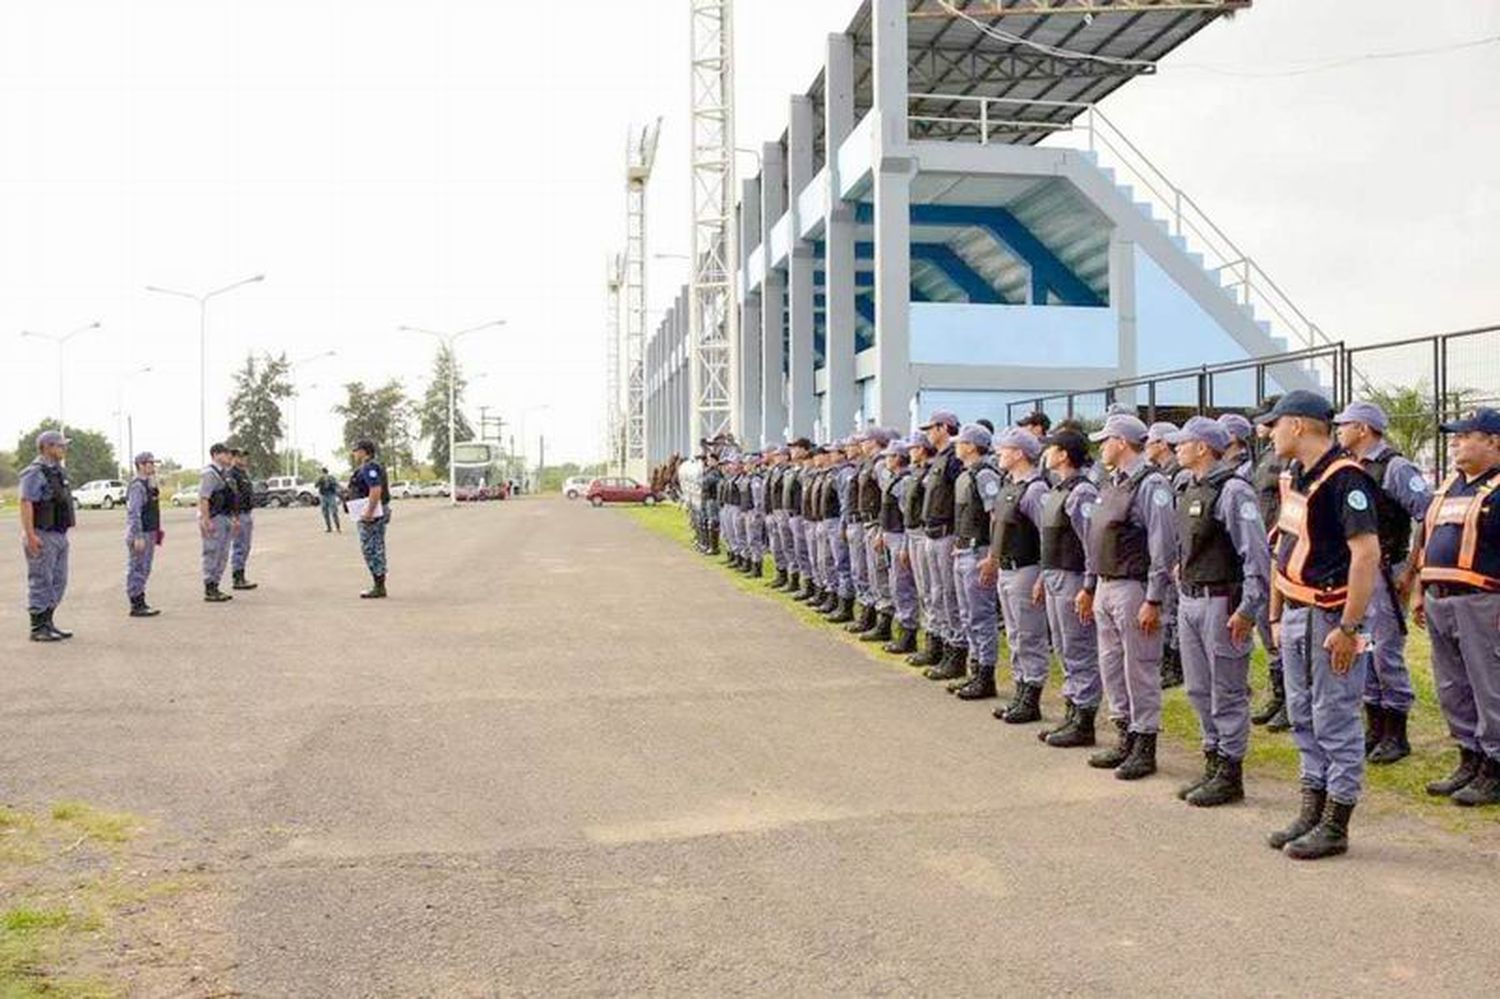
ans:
x=569 y=756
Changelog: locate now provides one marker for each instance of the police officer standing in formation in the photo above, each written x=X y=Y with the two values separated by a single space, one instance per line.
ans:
x=975 y=493
x=328 y=502
x=369 y=483
x=1327 y=563
x=216 y=520
x=912 y=558
x=142 y=533
x=771 y=512
x=1401 y=497
x=1459 y=604
x=1159 y=452
x=1133 y=533
x=1241 y=434
x=1014 y=566
x=708 y=525
x=895 y=591
x=46 y=518
x=244 y=526
x=1267 y=481
x=946 y=654
x=1223 y=573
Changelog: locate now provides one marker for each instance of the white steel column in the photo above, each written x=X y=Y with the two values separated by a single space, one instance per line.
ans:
x=614 y=366
x=892 y=197
x=839 y=229
x=640 y=157
x=801 y=405
x=714 y=252
x=773 y=392
x=749 y=396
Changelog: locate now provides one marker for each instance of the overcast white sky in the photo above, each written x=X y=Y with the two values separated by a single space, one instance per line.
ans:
x=449 y=162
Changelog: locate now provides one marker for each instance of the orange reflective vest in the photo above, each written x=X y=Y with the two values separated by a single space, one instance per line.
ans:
x=1464 y=511
x=1293 y=521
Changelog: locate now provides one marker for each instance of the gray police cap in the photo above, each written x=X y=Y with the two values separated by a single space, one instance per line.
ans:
x=1367 y=413
x=50 y=437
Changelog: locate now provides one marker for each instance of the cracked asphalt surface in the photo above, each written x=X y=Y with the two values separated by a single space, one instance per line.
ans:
x=568 y=756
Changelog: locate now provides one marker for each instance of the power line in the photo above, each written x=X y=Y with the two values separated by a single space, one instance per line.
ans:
x=1346 y=60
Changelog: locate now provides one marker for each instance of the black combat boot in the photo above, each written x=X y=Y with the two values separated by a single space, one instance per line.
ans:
x=52 y=625
x=1078 y=732
x=864 y=619
x=757 y=568
x=1328 y=838
x=39 y=630
x=240 y=583
x=793 y=582
x=1393 y=743
x=1210 y=767
x=1070 y=711
x=1374 y=727
x=1484 y=789
x=844 y=612
x=213 y=595
x=1469 y=763
x=806 y=591
x=931 y=654
x=825 y=601
x=1030 y=707
x=139 y=608
x=1142 y=759
x=953 y=665
x=1108 y=759
x=1226 y=786
x=981 y=685
x=376 y=592
x=1171 y=668
x=1313 y=800
x=904 y=644
x=779 y=582
x=1016 y=692
x=1276 y=705
x=880 y=631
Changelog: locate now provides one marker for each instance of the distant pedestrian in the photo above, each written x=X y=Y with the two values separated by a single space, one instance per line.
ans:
x=328 y=500
x=244 y=528
x=46 y=518
x=215 y=521
x=370 y=484
x=142 y=533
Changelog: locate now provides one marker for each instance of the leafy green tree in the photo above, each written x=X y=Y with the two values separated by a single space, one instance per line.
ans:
x=90 y=456
x=9 y=475
x=1412 y=420
x=432 y=413
x=255 y=422
x=383 y=415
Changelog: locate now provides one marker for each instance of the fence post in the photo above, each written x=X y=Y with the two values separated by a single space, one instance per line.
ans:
x=1439 y=399
x=1202 y=386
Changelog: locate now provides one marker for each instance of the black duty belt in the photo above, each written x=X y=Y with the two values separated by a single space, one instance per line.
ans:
x=1199 y=590
x=1114 y=579
x=969 y=544
x=1011 y=564
x=1444 y=590
x=938 y=531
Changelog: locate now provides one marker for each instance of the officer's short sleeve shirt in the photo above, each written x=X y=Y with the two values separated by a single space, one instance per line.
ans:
x=1353 y=497
x=33 y=484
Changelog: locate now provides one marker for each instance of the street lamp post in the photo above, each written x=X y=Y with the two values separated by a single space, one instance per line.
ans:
x=539 y=407
x=127 y=443
x=448 y=340
x=202 y=301
x=61 y=340
x=294 y=456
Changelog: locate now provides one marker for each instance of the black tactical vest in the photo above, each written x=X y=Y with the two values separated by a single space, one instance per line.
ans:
x=1018 y=540
x=1062 y=548
x=828 y=498
x=1268 y=488
x=812 y=493
x=747 y=491
x=938 y=492
x=151 y=510
x=911 y=503
x=1395 y=522
x=54 y=511
x=892 y=517
x=221 y=501
x=1123 y=552
x=1206 y=549
x=868 y=492
x=244 y=490
x=771 y=498
x=971 y=522
x=360 y=485
x=791 y=490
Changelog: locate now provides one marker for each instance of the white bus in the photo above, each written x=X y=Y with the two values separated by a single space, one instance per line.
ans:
x=479 y=472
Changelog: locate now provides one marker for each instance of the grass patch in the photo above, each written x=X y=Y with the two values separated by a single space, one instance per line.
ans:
x=1272 y=754
x=105 y=827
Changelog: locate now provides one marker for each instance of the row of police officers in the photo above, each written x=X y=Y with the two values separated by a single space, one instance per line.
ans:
x=1173 y=538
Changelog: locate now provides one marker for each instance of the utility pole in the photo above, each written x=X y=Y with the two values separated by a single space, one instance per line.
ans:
x=640 y=157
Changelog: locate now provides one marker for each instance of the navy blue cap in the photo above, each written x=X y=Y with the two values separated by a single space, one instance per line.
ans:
x=1483 y=420
x=1299 y=402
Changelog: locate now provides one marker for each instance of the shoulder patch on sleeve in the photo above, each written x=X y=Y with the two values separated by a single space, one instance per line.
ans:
x=1160 y=498
x=1358 y=500
x=991 y=487
x=1088 y=510
x=1249 y=511
x=1418 y=483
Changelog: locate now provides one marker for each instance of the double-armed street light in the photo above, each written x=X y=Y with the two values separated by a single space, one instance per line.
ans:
x=61 y=339
x=448 y=340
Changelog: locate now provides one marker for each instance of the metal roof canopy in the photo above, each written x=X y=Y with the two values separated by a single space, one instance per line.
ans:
x=949 y=55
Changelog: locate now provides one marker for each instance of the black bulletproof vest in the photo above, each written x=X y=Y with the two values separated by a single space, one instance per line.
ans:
x=712 y=480
x=151 y=511
x=54 y=511
x=938 y=492
x=812 y=488
x=971 y=522
x=1268 y=488
x=771 y=498
x=828 y=499
x=868 y=492
x=911 y=503
x=892 y=517
x=221 y=500
x=1018 y=540
x=1395 y=523
x=360 y=484
x=1062 y=548
x=244 y=490
x=791 y=490
x=1207 y=551
x=1120 y=542
x=747 y=492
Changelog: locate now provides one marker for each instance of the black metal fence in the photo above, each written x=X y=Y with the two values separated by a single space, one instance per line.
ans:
x=1420 y=382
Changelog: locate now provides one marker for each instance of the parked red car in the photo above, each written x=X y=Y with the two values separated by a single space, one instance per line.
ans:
x=612 y=490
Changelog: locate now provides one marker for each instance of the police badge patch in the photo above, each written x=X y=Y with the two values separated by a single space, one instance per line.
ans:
x=1358 y=500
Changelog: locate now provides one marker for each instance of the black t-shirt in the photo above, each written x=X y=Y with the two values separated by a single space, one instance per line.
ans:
x=367 y=476
x=1342 y=508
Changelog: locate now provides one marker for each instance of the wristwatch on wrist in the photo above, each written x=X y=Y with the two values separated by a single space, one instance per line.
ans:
x=1349 y=629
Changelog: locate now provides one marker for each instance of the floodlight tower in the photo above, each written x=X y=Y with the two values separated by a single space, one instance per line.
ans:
x=614 y=283
x=713 y=317
x=640 y=157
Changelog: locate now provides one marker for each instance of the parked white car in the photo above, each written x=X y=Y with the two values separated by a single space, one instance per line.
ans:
x=286 y=490
x=185 y=497
x=405 y=490
x=577 y=486
x=101 y=494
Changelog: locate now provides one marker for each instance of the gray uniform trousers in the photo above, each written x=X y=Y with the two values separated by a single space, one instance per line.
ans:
x=878 y=561
x=1263 y=629
x=1216 y=672
x=1129 y=659
x=1025 y=625
x=946 y=622
x=1077 y=642
x=755 y=528
x=859 y=566
x=1388 y=682
x=902 y=580
x=729 y=522
x=921 y=577
x=1466 y=666
x=242 y=540
x=138 y=563
x=773 y=537
x=1324 y=707
x=976 y=608
x=827 y=575
x=216 y=548
x=47 y=572
x=838 y=552
x=801 y=560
